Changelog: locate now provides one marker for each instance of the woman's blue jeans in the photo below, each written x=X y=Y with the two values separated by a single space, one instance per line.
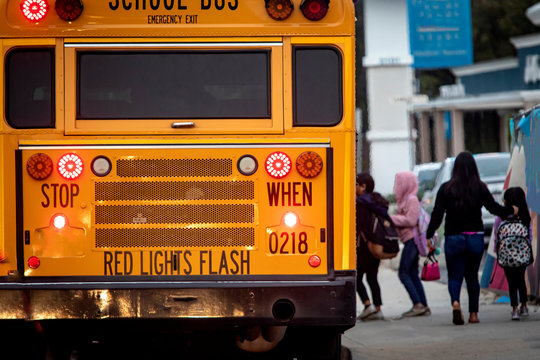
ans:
x=408 y=273
x=463 y=255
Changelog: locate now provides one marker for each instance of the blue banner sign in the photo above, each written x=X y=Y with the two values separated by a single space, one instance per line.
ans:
x=440 y=33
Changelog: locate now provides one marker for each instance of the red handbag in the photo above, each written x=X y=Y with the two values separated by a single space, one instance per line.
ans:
x=430 y=270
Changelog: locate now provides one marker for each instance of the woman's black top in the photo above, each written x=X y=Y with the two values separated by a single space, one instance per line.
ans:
x=463 y=219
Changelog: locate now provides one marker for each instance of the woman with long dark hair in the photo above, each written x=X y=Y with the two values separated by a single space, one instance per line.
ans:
x=462 y=199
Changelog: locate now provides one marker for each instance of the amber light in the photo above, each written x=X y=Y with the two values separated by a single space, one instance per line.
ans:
x=309 y=164
x=34 y=10
x=314 y=9
x=68 y=10
x=70 y=166
x=279 y=9
x=314 y=260
x=33 y=262
x=278 y=165
x=39 y=166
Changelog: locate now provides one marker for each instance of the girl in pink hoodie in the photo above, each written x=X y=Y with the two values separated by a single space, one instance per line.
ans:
x=406 y=219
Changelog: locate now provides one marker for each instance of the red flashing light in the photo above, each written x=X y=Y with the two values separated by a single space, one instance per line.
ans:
x=33 y=262
x=70 y=166
x=314 y=9
x=278 y=165
x=34 y=10
x=68 y=10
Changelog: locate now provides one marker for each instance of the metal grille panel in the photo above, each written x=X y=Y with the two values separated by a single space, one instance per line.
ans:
x=174 y=167
x=204 y=237
x=174 y=190
x=174 y=214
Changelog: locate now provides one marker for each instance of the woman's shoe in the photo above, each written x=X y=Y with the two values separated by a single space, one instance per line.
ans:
x=367 y=312
x=524 y=311
x=515 y=314
x=473 y=319
x=457 y=317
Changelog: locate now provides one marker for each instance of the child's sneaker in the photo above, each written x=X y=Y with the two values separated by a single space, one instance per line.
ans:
x=375 y=316
x=515 y=314
x=524 y=311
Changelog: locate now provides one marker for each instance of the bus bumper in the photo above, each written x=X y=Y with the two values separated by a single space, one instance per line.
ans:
x=238 y=303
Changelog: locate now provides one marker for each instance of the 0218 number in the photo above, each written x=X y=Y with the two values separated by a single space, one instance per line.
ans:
x=288 y=243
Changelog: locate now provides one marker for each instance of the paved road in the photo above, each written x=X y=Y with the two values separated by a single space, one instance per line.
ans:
x=435 y=337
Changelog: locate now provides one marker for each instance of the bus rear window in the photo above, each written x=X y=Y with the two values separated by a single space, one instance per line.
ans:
x=29 y=88
x=173 y=84
x=318 y=96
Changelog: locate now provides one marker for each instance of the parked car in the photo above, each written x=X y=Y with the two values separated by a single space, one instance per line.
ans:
x=492 y=168
x=426 y=176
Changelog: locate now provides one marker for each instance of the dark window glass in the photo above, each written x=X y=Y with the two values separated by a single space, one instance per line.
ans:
x=30 y=88
x=181 y=84
x=318 y=93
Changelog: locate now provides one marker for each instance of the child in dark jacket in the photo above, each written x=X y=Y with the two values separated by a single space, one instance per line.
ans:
x=367 y=202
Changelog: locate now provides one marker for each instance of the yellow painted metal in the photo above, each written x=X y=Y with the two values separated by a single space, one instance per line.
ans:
x=186 y=18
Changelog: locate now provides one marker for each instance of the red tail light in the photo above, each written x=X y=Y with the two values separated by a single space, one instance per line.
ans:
x=314 y=260
x=314 y=9
x=70 y=166
x=33 y=262
x=34 y=10
x=278 y=164
x=68 y=10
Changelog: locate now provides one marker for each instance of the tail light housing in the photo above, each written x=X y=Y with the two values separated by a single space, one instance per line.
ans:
x=309 y=164
x=34 y=10
x=278 y=164
x=314 y=9
x=33 y=262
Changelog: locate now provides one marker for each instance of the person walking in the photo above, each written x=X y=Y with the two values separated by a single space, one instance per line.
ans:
x=461 y=199
x=367 y=201
x=406 y=219
x=520 y=225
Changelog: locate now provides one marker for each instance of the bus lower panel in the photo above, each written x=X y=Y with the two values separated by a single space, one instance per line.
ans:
x=332 y=303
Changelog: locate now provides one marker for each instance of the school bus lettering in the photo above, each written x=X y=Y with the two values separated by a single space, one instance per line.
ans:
x=290 y=194
x=239 y=263
x=164 y=19
x=176 y=262
x=62 y=195
x=219 y=4
x=141 y=4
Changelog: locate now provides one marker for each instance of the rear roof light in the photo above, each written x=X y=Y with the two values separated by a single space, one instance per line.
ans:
x=278 y=165
x=39 y=166
x=279 y=9
x=68 y=10
x=314 y=9
x=70 y=166
x=34 y=10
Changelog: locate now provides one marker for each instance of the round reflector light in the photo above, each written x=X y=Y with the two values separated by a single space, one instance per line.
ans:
x=70 y=166
x=309 y=164
x=34 y=10
x=314 y=9
x=68 y=10
x=59 y=221
x=247 y=165
x=33 y=262
x=278 y=164
x=279 y=9
x=39 y=166
x=290 y=219
x=314 y=260
x=101 y=165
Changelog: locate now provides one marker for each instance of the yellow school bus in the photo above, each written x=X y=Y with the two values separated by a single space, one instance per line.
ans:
x=190 y=160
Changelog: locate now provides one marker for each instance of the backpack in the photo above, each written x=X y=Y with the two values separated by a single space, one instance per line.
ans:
x=513 y=246
x=420 y=230
x=383 y=242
